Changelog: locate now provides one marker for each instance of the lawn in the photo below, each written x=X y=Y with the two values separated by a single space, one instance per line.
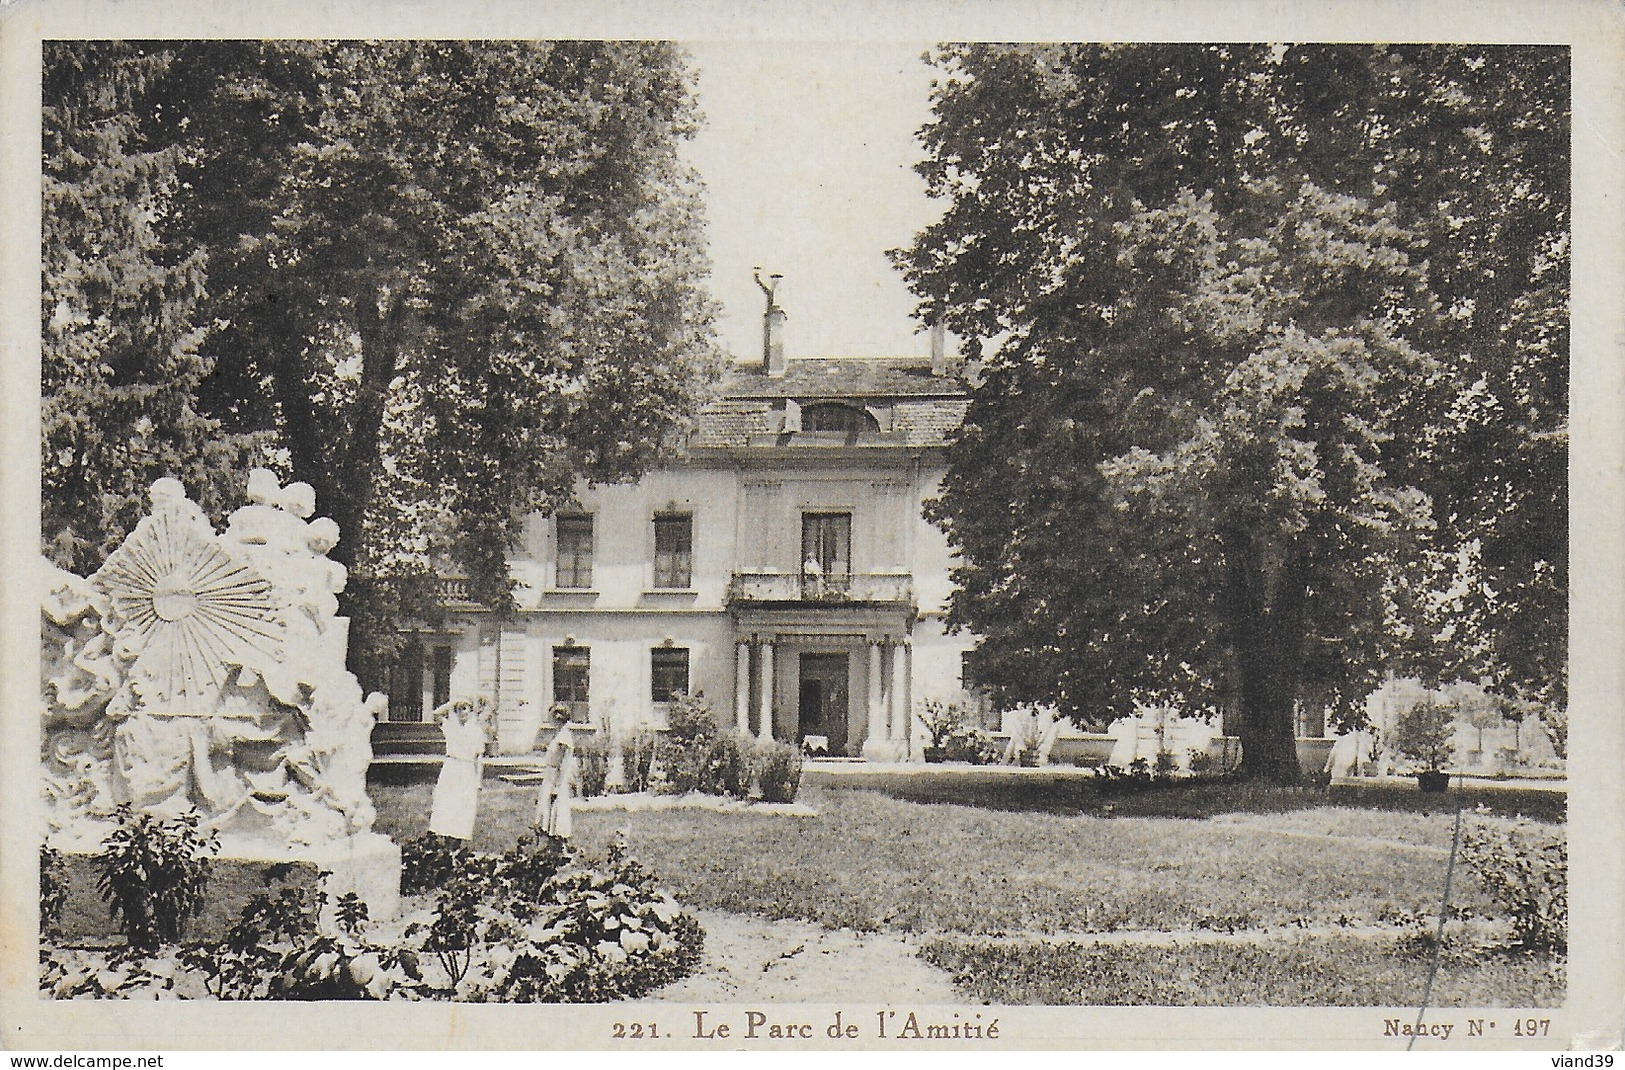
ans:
x=955 y=872
x=1335 y=971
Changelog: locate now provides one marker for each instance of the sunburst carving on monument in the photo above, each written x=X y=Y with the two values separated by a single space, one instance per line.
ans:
x=185 y=607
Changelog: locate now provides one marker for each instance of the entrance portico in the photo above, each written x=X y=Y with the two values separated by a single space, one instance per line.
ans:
x=838 y=675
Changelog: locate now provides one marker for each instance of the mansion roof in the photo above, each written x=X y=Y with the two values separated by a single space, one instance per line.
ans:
x=912 y=407
x=885 y=377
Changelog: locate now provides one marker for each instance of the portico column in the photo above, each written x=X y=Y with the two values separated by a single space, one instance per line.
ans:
x=765 y=726
x=896 y=726
x=877 y=711
x=742 y=689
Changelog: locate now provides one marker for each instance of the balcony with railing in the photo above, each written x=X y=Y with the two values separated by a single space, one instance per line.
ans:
x=454 y=592
x=857 y=588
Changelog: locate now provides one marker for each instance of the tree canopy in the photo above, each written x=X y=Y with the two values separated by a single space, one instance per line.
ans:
x=1276 y=396
x=438 y=281
x=120 y=315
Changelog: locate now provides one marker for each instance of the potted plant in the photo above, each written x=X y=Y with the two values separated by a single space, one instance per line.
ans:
x=1422 y=734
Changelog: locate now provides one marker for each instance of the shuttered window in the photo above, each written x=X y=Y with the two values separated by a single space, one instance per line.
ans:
x=575 y=551
x=674 y=550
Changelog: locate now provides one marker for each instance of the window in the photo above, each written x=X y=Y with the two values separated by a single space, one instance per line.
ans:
x=421 y=674
x=575 y=551
x=674 y=550
x=668 y=672
x=572 y=673
x=826 y=553
x=831 y=416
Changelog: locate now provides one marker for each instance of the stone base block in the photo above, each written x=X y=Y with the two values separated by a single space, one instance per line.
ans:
x=368 y=865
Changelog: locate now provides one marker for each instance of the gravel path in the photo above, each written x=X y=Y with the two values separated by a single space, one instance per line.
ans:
x=751 y=959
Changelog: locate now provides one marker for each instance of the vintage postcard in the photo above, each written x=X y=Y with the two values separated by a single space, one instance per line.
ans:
x=846 y=527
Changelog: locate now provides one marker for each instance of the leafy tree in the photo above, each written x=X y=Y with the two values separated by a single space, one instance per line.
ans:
x=1244 y=351
x=122 y=341
x=447 y=278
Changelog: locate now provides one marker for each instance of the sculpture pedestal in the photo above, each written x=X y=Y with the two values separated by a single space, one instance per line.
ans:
x=368 y=864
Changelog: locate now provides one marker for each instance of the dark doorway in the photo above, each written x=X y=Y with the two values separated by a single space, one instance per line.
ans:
x=822 y=711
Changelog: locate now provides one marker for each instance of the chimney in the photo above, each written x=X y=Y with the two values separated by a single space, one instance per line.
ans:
x=772 y=326
x=773 y=340
x=939 y=348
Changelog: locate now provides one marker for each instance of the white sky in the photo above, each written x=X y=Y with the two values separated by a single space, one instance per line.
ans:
x=807 y=154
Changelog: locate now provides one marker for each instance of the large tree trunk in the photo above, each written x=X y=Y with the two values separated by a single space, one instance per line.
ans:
x=1266 y=619
x=343 y=467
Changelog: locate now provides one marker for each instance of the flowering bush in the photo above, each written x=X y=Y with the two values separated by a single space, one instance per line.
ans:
x=274 y=951
x=1523 y=867
x=275 y=955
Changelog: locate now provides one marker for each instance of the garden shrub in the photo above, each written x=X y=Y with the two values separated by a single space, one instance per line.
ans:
x=940 y=719
x=697 y=754
x=597 y=933
x=592 y=763
x=778 y=766
x=241 y=965
x=732 y=765
x=686 y=754
x=277 y=950
x=273 y=951
x=345 y=964
x=585 y=934
x=972 y=744
x=955 y=735
x=637 y=758
x=530 y=863
x=1523 y=867
x=429 y=860
x=1027 y=744
x=153 y=874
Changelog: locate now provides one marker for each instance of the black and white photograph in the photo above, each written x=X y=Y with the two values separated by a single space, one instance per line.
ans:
x=741 y=529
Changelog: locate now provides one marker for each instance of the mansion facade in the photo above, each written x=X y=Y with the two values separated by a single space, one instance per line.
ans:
x=780 y=566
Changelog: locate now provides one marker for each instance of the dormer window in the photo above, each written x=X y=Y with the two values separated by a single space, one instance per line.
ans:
x=833 y=416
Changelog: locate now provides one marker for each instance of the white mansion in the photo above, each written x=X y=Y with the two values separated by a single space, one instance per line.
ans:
x=781 y=567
